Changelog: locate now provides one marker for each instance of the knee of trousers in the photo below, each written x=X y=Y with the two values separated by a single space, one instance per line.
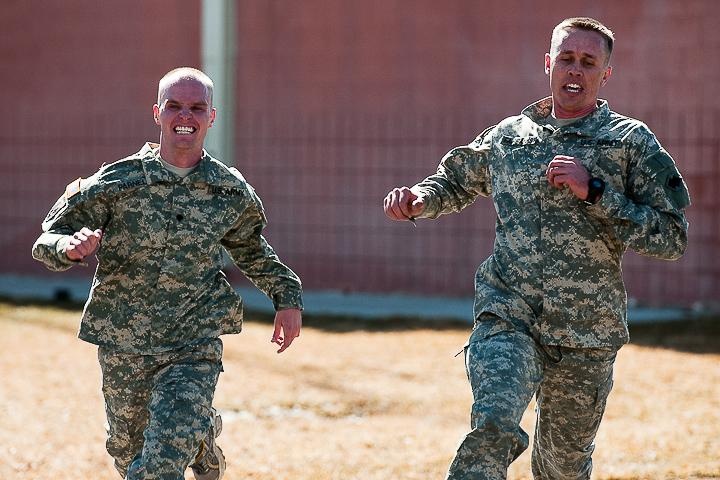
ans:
x=173 y=437
x=495 y=429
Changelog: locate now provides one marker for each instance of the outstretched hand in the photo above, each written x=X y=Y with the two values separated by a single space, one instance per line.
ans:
x=287 y=327
x=83 y=243
x=402 y=204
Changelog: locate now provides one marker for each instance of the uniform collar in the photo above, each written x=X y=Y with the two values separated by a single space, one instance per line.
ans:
x=588 y=126
x=155 y=171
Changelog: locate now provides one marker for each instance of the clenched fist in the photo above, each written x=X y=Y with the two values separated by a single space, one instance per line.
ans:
x=83 y=243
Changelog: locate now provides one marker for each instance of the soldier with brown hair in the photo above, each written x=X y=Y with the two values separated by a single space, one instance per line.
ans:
x=574 y=185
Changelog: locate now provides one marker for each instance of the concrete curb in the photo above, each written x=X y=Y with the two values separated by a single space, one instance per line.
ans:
x=322 y=303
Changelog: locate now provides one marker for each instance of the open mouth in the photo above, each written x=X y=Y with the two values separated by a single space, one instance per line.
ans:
x=182 y=130
x=573 y=88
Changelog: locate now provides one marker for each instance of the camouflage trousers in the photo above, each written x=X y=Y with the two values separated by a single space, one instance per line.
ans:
x=506 y=367
x=158 y=408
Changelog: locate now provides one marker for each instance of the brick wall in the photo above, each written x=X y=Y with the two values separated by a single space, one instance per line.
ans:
x=338 y=101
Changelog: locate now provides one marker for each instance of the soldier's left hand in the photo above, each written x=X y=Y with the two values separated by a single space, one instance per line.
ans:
x=568 y=171
x=287 y=327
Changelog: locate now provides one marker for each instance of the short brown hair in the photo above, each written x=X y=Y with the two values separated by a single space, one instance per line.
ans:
x=584 y=23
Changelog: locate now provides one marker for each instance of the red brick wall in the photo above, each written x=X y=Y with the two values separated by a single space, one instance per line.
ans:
x=79 y=81
x=337 y=101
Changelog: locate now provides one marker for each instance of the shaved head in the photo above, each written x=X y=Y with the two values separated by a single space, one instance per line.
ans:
x=185 y=73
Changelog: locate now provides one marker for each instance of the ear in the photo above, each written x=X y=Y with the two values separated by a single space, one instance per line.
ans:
x=156 y=114
x=547 y=64
x=212 y=116
x=606 y=76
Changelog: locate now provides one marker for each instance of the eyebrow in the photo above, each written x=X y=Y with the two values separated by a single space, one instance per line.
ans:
x=172 y=100
x=572 y=52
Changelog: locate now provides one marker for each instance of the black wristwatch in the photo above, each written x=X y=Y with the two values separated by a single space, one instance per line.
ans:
x=596 y=187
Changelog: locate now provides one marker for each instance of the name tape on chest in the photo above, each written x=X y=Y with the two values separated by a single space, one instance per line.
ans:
x=127 y=184
x=225 y=191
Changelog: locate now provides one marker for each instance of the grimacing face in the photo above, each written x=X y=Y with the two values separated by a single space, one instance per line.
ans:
x=184 y=115
x=578 y=67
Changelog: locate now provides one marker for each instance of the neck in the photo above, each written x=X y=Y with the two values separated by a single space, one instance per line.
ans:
x=181 y=158
x=558 y=112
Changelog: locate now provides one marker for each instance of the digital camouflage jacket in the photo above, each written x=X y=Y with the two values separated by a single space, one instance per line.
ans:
x=159 y=285
x=556 y=261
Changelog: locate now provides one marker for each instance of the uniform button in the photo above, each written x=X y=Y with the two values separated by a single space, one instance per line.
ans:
x=179 y=216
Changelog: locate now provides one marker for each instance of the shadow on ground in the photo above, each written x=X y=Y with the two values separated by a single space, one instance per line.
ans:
x=701 y=335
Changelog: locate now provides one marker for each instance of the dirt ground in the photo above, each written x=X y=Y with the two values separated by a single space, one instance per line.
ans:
x=351 y=401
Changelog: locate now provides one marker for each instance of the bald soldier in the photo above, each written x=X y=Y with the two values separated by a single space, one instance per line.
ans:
x=574 y=185
x=159 y=221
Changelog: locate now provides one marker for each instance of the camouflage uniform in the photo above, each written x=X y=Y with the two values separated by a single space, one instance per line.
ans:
x=550 y=302
x=159 y=300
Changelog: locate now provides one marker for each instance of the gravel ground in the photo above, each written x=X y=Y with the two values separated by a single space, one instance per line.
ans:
x=351 y=403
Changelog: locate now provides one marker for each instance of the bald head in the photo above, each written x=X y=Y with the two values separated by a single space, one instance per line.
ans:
x=184 y=73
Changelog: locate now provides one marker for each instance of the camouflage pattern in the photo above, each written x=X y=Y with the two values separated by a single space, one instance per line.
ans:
x=159 y=284
x=556 y=260
x=158 y=407
x=506 y=367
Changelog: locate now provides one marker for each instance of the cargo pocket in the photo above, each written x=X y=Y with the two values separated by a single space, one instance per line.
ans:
x=486 y=325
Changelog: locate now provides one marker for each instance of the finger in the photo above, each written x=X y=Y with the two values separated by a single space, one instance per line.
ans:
x=561 y=161
x=387 y=205
x=80 y=236
x=86 y=231
x=561 y=180
x=418 y=206
x=406 y=199
x=276 y=332
x=552 y=179
x=404 y=204
x=397 y=213
x=286 y=344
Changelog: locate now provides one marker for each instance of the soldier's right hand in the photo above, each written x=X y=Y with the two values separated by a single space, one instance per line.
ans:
x=83 y=243
x=403 y=204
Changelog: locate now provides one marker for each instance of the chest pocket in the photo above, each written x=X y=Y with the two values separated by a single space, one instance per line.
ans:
x=604 y=158
x=519 y=167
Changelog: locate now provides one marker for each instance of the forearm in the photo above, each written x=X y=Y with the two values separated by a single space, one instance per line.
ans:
x=460 y=178
x=648 y=230
x=50 y=248
x=263 y=268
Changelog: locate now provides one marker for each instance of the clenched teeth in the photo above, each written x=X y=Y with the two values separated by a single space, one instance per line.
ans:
x=184 y=130
x=573 y=87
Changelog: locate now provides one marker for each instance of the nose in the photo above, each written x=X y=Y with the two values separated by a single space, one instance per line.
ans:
x=185 y=112
x=574 y=69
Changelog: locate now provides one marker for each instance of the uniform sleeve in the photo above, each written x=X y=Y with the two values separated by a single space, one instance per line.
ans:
x=71 y=212
x=258 y=261
x=649 y=217
x=462 y=175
